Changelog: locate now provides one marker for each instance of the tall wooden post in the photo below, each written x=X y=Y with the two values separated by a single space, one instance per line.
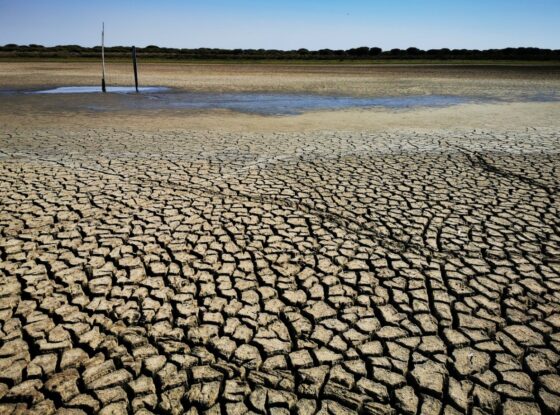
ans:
x=134 y=63
x=103 y=88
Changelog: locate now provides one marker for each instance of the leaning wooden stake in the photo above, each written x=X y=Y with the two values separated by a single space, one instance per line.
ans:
x=135 y=67
x=103 y=88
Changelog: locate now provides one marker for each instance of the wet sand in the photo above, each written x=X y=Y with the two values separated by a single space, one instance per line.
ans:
x=359 y=261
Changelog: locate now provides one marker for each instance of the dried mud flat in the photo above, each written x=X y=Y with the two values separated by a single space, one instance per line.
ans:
x=356 y=80
x=176 y=270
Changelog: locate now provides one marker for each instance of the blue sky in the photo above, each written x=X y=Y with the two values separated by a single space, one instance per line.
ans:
x=287 y=24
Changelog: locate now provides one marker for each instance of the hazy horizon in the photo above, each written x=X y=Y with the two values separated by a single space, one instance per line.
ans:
x=287 y=25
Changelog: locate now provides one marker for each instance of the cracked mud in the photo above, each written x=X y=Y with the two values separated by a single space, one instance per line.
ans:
x=279 y=273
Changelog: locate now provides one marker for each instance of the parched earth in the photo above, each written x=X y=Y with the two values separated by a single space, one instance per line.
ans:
x=297 y=273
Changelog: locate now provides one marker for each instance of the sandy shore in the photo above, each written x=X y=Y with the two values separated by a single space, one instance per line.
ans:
x=363 y=261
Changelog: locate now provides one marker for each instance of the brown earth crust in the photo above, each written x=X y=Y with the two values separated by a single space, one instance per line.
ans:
x=356 y=80
x=372 y=262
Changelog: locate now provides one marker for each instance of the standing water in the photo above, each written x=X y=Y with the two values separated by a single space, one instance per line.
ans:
x=157 y=98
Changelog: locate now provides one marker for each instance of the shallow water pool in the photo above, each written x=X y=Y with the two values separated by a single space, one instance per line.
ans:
x=154 y=97
x=124 y=98
x=97 y=89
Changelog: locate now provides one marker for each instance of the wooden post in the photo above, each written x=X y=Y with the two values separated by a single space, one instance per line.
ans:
x=134 y=63
x=103 y=88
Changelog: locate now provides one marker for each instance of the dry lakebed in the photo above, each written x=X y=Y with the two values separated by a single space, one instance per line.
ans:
x=381 y=258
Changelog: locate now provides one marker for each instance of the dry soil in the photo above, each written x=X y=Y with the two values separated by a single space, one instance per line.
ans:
x=364 y=261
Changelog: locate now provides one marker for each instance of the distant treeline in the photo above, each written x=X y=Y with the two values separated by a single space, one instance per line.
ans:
x=361 y=53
